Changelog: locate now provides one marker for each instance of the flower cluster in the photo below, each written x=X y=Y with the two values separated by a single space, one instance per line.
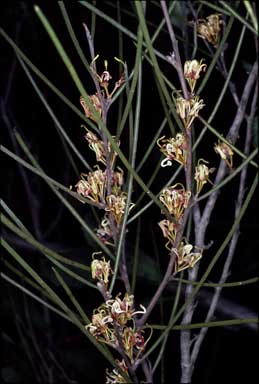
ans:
x=115 y=377
x=112 y=321
x=97 y=100
x=173 y=149
x=96 y=103
x=175 y=200
x=94 y=186
x=116 y=204
x=169 y=230
x=202 y=174
x=210 y=28
x=105 y=78
x=188 y=109
x=185 y=257
x=110 y=325
x=192 y=69
x=101 y=270
x=97 y=145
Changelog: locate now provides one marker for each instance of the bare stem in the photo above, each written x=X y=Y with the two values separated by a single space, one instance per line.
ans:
x=201 y=224
x=178 y=66
x=234 y=240
x=121 y=350
x=159 y=291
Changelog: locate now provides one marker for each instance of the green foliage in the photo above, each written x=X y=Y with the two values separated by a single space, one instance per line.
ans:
x=151 y=98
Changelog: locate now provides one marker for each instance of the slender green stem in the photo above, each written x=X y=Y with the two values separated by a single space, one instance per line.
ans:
x=224 y=285
x=136 y=256
x=57 y=300
x=238 y=17
x=73 y=35
x=235 y=149
x=215 y=7
x=14 y=217
x=53 y=116
x=138 y=69
x=64 y=201
x=252 y=14
x=162 y=349
x=24 y=278
x=227 y=80
x=71 y=297
x=51 y=255
x=20 y=53
x=33 y=296
x=230 y=177
x=43 y=175
x=208 y=270
x=221 y=323
x=157 y=70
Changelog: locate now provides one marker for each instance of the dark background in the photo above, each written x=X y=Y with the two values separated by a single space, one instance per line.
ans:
x=227 y=353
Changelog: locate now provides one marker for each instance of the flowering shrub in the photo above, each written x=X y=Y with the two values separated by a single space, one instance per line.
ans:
x=141 y=282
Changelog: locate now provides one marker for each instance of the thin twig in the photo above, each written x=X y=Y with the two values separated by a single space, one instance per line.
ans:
x=140 y=322
x=234 y=240
x=178 y=63
x=232 y=136
x=202 y=221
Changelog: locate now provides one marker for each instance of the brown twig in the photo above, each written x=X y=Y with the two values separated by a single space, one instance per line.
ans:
x=140 y=322
x=201 y=224
x=234 y=240
x=178 y=63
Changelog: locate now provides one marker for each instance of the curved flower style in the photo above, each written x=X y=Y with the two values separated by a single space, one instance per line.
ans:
x=192 y=69
x=104 y=232
x=100 y=326
x=175 y=200
x=122 y=310
x=94 y=186
x=188 y=109
x=185 y=258
x=202 y=173
x=210 y=28
x=173 y=149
